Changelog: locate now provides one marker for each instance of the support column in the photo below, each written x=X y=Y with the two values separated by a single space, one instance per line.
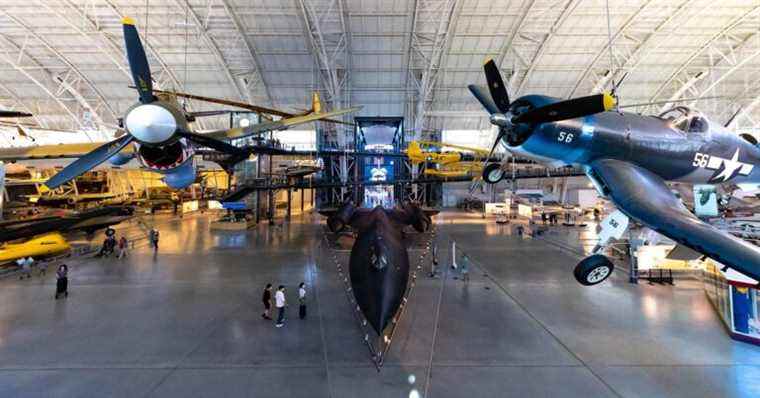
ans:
x=2 y=188
x=302 y=195
x=287 y=215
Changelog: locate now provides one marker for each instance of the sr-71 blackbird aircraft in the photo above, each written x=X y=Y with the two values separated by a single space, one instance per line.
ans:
x=629 y=157
x=379 y=264
x=157 y=129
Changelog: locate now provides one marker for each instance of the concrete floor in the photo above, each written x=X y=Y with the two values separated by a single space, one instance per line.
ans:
x=186 y=323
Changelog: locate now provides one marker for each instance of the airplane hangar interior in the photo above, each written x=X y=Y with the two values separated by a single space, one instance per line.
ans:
x=379 y=198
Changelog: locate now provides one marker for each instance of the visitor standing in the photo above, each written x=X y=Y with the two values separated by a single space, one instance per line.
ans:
x=302 y=300
x=266 y=298
x=123 y=243
x=279 y=302
x=62 y=284
x=464 y=268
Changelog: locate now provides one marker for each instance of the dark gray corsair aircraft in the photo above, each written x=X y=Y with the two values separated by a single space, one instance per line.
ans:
x=379 y=264
x=629 y=157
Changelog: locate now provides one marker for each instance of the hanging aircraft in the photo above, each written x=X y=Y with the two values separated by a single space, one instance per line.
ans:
x=629 y=157
x=379 y=263
x=156 y=132
x=41 y=237
x=468 y=161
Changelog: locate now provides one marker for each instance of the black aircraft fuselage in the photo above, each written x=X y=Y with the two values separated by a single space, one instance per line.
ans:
x=379 y=263
x=88 y=221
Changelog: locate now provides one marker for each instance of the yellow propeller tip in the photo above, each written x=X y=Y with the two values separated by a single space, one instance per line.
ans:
x=608 y=101
x=488 y=60
x=127 y=21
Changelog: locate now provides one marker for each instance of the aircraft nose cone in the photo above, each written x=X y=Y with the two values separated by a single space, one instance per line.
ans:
x=151 y=124
x=379 y=274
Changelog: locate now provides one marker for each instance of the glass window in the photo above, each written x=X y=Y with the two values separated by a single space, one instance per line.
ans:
x=698 y=124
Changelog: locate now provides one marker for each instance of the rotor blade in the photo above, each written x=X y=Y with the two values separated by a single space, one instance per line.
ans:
x=89 y=161
x=14 y=114
x=138 y=62
x=484 y=98
x=212 y=143
x=569 y=109
x=496 y=86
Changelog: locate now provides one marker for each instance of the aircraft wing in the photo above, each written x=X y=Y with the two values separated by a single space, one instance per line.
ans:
x=51 y=151
x=644 y=196
x=282 y=124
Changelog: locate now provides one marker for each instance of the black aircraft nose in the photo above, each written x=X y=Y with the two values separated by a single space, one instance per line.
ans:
x=379 y=271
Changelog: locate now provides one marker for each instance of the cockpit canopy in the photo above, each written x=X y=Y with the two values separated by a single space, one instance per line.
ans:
x=686 y=120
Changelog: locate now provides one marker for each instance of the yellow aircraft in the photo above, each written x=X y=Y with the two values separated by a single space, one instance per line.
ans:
x=42 y=246
x=450 y=163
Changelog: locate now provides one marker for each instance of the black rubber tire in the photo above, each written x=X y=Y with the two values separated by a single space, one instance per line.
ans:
x=490 y=175
x=593 y=270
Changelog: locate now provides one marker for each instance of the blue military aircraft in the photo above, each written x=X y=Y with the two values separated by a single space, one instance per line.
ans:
x=629 y=158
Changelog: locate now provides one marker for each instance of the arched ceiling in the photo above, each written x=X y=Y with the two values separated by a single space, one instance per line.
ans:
x=63 y=59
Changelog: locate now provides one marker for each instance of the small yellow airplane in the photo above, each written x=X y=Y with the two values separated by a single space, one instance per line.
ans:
x=42 y=246
x=450 y=163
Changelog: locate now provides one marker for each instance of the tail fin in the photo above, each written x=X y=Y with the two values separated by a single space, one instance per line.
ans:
x=316 y=104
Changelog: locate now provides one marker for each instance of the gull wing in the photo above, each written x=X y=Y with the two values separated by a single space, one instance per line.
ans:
x=644 y=196
x=282 y=124
x=51 y=151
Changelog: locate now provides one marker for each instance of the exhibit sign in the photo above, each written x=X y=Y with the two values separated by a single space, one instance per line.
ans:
x=705 y=201
x=525 y=211
x=234 y=205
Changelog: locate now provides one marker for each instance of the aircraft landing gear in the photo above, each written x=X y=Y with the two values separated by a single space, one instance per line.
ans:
x=493 y=173
x=593 y=269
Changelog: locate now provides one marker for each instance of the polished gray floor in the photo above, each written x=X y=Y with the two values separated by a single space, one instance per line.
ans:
x=186 y=323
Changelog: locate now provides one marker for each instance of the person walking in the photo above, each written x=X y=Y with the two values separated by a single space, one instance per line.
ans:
x=266 y=298
x=154 y=235
x=26 y=267
x=42 y=268
x=123 y=243
x=464 y=268
x=62 y=284
x=302 y=301
x=279 y=302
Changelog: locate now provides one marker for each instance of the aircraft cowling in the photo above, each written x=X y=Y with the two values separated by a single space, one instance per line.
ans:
x=180 y=177
x=121 y=159
x=174 y=160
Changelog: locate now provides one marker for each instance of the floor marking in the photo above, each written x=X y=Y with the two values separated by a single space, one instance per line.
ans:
x=546 y=329
x=444 y=276
x=312 y=274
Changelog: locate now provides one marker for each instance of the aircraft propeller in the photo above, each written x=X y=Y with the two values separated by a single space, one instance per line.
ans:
x=149 y=122
x=496 y=102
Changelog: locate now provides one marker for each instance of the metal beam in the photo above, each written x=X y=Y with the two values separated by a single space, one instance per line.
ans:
x=15 y=63
x=516 y=28
x=723 y=31
x=634 y=59
x=566 y=12
x=211 y=44
x=606 y=48
x=250 y=47
x=447 y=15
x=68 y=86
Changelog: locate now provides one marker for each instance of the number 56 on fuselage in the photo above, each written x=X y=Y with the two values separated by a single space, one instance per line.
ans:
x=629 y=157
